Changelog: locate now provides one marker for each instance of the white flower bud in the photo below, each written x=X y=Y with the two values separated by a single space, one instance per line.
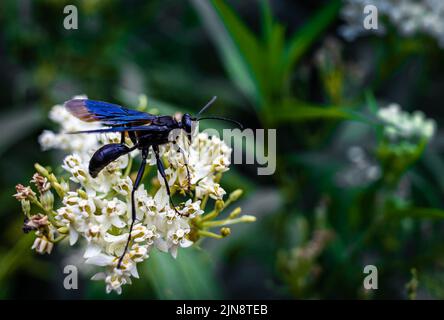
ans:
x=26 y=206
x=47 y=200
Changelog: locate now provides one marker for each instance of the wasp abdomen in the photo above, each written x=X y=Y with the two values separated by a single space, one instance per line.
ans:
x=104 y=156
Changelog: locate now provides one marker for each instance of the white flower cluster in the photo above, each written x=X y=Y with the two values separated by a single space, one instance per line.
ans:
x=400 y=125
x=98 y=210
x=408 y=16
x=80 y=144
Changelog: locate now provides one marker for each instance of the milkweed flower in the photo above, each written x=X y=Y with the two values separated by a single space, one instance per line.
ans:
x=96 y=212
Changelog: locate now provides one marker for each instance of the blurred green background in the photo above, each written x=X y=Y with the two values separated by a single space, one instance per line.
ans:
x=273 y=64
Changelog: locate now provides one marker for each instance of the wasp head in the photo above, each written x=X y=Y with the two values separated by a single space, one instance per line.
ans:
x=187 y=124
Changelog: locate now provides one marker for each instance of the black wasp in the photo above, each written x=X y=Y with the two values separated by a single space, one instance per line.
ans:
x=145 y=130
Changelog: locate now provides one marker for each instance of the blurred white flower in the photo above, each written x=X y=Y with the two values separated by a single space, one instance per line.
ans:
x=408 y=16
x=400 y=125
x=361 y=170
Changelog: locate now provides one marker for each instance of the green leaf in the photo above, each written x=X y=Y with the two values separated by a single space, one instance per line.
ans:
x=293 y=110
x=274 y=64
x=187 y=277
x=267 y=20
x=371 y=102
x=13 y=258
x=418 y=213
x=435 y=165
x=16 y=125
x=372 y=105
x=305 y=36
x=237 y=46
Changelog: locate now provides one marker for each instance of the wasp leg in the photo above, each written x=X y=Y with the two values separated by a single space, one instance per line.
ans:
x=162 y=173
x=122 y=137
x=133 y=205
x=133 y=137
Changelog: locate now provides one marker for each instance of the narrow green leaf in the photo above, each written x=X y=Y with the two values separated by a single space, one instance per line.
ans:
x=371 y=102
x=247 y=44
x=418 y=213
x=435 y=164
x=228 y=34
x=305 y=36
x=300 y=111
x=187 y=277
x=372 y=105
x=274 y=66
x=267 y=19
x=292 y=110
x=12 y=259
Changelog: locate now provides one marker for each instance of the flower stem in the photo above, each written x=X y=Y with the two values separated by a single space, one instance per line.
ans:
x=59 y=238
x=213 y=214
x=203 y=204
x=219 y=223
x=128 y=167
x=50 y=214
x=209 y=234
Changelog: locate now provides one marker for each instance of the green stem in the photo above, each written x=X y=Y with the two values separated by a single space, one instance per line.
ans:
x=213 y=214
x=226 y=222
x=60 y=238
x=50 y=214
x=203 y=204
x=209 y=234
x=129 y=166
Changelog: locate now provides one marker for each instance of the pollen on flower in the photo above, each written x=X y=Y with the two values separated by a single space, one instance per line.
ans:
x=123 y=186
x=41 y=183
x=178 y=237
x=23 y=192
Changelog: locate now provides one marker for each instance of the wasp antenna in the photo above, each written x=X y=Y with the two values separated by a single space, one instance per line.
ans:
x=223 y=119
x=205 y=107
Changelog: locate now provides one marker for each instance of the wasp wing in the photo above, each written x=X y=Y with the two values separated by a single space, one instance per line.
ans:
x=107 y=113
x=149 y=128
